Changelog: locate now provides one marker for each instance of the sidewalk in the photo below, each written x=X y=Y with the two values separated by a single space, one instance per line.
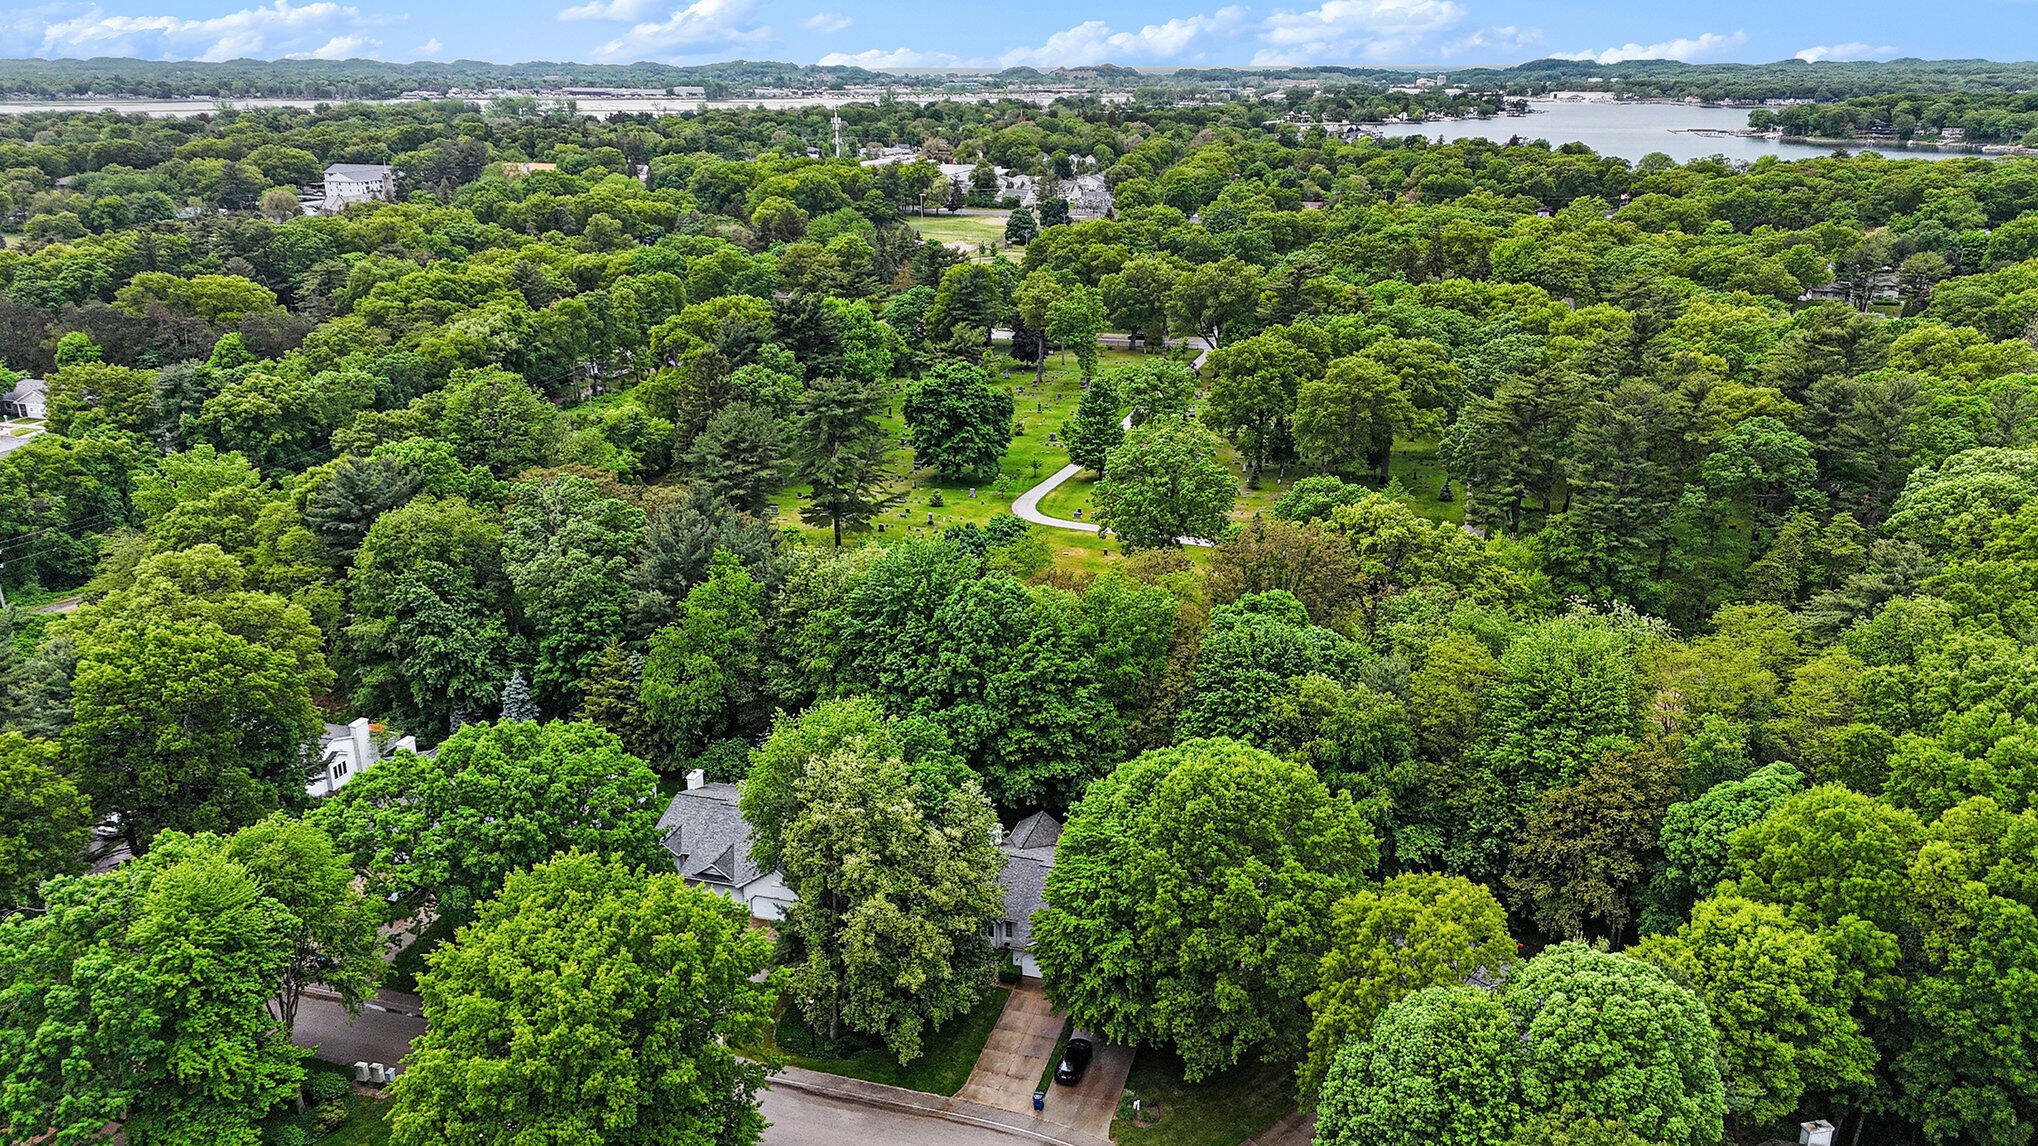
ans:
x=931 y=1106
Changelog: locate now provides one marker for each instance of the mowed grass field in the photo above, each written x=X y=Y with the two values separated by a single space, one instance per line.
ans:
x=965 y=229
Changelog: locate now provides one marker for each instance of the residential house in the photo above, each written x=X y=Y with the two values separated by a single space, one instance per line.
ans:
x=358 y=183
x=349 y=748
x=704 y=830
x=28 y=399
x=710 y=845
x=519 y=170
x=1029 y=856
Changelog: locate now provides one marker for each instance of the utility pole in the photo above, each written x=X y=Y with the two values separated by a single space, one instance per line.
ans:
x=838 y=133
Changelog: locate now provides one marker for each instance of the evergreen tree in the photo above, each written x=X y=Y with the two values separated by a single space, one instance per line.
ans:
x=737 y=457
x=1095 y=430
x=840 y=450
x=347 y=504
x=516 y=699
x=678 y=545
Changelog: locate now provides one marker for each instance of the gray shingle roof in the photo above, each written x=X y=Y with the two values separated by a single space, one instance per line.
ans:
x=361 y=172
x=1038 y=830
x=707 y=836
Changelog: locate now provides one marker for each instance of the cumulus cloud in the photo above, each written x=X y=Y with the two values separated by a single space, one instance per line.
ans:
x=427 y=50
x=825 y=22
x=1508 y=39
x=611 y=10
x=701 y=26
x=1340 y=29
x=1095 y=42
x=1711 y=43
x=878 y=59
x=1853 y=51
x=338 y=48
x=277 y=28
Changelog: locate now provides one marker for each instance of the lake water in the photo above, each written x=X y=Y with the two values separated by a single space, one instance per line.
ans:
x=1628 y=130
x=1632 y=130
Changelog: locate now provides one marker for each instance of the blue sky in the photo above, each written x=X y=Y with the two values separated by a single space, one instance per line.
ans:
x=937 y=33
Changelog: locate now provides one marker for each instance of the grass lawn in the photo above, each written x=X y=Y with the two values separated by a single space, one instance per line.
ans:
x=1222 y=1110
x=1030 y=459
x=966 y=230
x=367 y=1124
x=949 y=1054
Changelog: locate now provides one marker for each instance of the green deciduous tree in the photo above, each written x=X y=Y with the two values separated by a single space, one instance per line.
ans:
x=590 y=1002
x=1615 y=1038
x=1352 y=414
x=1778 y=997
x=442 y=832
x=702 y=678
x=566 y=549
x=1164 y=483
x=896 y=884
x=138 y=997
x=1413 y=932
x=959 y=420
x=1191 y=900
x=44 y=821
x=191 y=706
x=1438 y=1069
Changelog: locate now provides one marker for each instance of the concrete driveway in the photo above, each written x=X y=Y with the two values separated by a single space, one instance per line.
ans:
x=1015 y=1054
x=1089 y=1106
x=1018 y=1051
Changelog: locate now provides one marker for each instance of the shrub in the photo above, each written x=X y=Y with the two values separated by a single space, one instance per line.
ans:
x=327 y=1117
x=326 y=1085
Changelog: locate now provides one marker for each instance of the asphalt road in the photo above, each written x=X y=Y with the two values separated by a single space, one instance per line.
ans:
x=802 y=1119
x=799 y=1118
x=376 y=1036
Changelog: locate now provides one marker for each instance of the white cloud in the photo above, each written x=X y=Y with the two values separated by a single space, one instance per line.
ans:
x=826 y=22
x=279 y=27
x=427 y=50
x=611 y=10
x=1491 y=40
x=1094 y=42
x=1338 y=29
x=877 y=59
x=1711 y=43
x=1853 y=51
x=702 y=25
x=338 y=48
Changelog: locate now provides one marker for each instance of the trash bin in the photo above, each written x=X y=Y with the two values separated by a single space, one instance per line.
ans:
x=1039 y=1100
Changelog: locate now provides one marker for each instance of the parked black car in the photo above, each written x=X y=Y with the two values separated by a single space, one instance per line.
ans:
x=1075 y=1058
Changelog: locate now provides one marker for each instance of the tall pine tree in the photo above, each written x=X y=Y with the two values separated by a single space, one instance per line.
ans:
x=839 y=449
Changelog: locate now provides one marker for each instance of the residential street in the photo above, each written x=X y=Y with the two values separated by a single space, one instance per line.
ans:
x=803 y=1119
x=799 y=1118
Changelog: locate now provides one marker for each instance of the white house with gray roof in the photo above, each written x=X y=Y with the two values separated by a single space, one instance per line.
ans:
x=709 y=839
x=710 y=845
x=357 y=183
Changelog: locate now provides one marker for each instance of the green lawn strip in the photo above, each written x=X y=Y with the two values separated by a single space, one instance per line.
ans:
x=367 y=1123
x=1222 y=1110
x=949 y=1055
